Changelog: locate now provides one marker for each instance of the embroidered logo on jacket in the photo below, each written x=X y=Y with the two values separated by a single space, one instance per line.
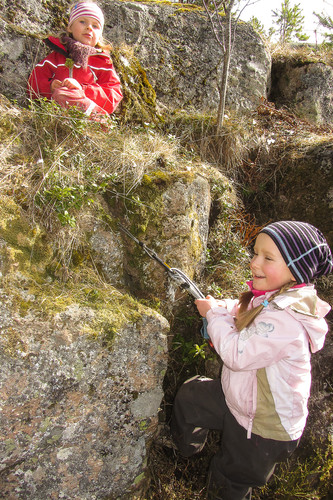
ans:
x=262 y=329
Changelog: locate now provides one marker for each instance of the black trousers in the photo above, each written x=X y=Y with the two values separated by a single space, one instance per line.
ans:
x=241 y=463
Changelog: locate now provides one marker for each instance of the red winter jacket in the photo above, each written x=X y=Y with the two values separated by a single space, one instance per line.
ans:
x=99 y=80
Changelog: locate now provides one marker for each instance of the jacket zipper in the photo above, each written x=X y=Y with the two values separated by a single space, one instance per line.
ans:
x=249 y=428
x=254 y=405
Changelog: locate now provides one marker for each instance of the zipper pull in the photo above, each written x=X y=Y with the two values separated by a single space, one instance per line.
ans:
x=249 y=429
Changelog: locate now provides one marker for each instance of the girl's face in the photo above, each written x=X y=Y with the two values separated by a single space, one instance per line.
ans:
x=269 y=270
x=86 y=30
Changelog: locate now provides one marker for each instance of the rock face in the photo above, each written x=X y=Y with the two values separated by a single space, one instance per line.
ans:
x=179 y=53
x=75 y=422
x=183 y=59
x=80 y=383
x=178 y=230
x=294 y=198
x=82 y=364
x=305 y=88
x=176 y=46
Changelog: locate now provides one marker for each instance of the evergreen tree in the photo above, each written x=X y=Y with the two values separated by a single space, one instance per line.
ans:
x=258 y=26
x=289 y=21
x=326 y=22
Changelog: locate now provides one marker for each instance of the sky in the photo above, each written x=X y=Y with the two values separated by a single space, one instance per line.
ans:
x=262 y=10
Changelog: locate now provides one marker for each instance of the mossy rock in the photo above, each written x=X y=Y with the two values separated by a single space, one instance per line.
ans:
x=25 y=245
x=139 y=103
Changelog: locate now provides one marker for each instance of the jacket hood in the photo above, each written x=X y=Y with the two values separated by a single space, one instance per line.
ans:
x=54 y=44
x=304 y=304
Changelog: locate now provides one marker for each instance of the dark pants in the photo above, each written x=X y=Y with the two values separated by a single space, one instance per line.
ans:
x=241 y=463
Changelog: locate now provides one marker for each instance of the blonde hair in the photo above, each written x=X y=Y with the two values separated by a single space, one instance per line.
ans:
x=246 y=316
x=104 y=45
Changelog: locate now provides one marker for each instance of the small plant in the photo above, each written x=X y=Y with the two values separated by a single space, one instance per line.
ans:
x=258 y=26
x=306 y=478
x=56 y=164
x=188 y=350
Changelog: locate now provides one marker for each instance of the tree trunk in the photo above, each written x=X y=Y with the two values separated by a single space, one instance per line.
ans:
x=225 y=71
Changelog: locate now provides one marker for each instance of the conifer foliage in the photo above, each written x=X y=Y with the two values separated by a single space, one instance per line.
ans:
x=289 y=21
x=327 y=22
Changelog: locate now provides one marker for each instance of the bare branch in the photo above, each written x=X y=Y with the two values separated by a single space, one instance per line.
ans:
x=217 y=26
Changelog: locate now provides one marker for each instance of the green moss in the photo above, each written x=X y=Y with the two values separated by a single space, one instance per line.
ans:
x=10 y=445
x=32 y=290
x=139 y=103
x=152 y=303
x=111 y=310
x=12 y=343
x=26 y=247
x=177 y=6
x=143 y=425
x=156 y=177
x=189 y=8
x=109 y=321
x=147 y=205
x=139 y=479
x=308 y=476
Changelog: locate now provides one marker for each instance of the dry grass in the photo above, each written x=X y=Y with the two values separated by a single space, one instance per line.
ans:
x=302 y=53
x=58 y=166
x=55 y=163
x=225 y=151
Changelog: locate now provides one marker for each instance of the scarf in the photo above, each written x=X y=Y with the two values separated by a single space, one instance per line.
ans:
x=78 y=51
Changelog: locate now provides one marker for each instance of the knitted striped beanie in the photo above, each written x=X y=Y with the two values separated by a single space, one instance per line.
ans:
x=87 y=9
x=303 y=247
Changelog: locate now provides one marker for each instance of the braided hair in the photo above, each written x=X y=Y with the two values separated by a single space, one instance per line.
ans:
x=246 y=316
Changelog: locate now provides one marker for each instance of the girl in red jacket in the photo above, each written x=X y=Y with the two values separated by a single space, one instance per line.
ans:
x=79 y=71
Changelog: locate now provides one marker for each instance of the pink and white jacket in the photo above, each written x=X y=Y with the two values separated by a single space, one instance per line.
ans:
x=277 y=345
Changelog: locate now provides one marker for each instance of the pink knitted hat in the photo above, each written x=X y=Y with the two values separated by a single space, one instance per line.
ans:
x=87 y=9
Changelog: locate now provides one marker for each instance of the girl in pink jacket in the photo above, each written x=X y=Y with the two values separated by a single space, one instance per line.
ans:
x=265 y=340
x=79 y=71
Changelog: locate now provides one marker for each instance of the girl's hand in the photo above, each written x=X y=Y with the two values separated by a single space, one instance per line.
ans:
x=71 y=83
x=56 y=84
x=204 y=305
